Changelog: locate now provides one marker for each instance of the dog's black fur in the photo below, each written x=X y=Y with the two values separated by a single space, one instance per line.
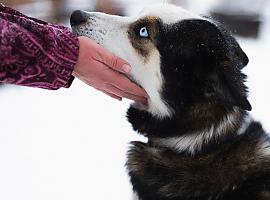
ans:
x=201 y=65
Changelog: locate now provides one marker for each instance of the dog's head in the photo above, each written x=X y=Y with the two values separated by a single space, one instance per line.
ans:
x=179 y=58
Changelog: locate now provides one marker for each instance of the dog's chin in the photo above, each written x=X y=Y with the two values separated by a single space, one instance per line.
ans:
x=140 y=106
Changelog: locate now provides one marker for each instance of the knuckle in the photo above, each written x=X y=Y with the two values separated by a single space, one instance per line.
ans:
x=117 y=80
x=114 y=62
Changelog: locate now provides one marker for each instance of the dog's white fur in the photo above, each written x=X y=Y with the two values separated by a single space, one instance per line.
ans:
x=247 y=121
x=107 y=29
x=193 y=143
x=169 y=13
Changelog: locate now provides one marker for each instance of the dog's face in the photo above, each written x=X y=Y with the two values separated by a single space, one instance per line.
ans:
x=180 y=59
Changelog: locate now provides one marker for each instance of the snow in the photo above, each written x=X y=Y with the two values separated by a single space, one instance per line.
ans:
x=258 y=75
x=66 y=144
x=71 y=143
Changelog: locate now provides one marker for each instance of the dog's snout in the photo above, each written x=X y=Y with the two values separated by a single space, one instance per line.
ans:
x=77 y=17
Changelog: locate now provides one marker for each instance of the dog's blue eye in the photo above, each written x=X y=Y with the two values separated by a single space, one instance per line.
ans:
x=144 y=32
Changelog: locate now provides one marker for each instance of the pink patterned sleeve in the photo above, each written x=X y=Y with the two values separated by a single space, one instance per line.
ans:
x=35 y=53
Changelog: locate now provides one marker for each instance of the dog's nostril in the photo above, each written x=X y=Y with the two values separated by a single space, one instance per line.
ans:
x=77 y=17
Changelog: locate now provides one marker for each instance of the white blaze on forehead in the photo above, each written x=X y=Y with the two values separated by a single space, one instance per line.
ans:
x=168 y=13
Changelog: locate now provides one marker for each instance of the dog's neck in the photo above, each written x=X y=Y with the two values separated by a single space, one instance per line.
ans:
x=187 y=137
x=207 y=139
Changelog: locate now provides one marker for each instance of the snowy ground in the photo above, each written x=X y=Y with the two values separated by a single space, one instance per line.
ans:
x=71 y=144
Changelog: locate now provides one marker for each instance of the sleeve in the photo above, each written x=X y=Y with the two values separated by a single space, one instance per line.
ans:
x=35 y=53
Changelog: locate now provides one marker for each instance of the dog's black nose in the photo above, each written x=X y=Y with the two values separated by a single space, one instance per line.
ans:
x=77 y=17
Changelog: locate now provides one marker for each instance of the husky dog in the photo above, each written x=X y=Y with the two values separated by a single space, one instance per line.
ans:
x=202 y=142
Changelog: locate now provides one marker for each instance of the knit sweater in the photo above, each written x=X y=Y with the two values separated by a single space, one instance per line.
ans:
x=35 y=53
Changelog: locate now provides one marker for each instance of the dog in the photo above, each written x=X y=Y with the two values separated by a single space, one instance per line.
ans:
x=202 y=142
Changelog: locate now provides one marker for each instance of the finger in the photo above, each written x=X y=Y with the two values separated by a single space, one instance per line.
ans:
x=124 y=84
x=118 y=92
x=112 y=61
x=121 y=81
x=109 y=94
x=113 y=95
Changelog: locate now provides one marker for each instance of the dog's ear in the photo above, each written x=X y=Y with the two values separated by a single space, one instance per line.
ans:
x=233 y=79
x=233 y=50
x=229 y=60
x=234 y=61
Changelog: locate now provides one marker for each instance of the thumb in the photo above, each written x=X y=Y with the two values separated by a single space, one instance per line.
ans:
x=113 y=61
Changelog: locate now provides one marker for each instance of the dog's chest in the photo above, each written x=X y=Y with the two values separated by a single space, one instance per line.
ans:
x=161 y=172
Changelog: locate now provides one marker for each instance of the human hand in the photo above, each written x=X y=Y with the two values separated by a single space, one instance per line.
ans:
x=102 y=70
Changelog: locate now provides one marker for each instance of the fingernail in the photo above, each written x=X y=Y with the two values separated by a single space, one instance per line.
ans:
x=126 y=68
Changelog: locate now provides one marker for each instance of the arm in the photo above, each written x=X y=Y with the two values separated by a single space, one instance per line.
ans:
x=35 y=53
x=38 y=54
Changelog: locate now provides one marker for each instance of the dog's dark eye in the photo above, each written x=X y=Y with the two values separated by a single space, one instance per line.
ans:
x=143 y=32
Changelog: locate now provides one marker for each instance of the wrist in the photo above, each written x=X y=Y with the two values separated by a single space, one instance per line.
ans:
x=78 y=63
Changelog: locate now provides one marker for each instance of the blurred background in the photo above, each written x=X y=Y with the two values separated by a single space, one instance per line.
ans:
x=71 y=143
